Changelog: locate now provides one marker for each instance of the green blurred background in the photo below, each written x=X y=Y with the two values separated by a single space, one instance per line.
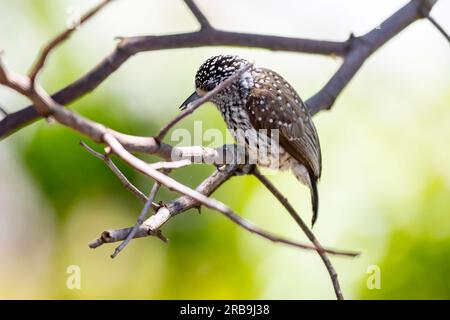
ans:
x=385 y=189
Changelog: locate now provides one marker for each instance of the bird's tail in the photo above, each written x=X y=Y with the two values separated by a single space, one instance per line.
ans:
x=314 y=198
x=309 y=179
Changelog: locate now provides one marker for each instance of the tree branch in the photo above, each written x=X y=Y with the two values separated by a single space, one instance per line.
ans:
x=438 y=27
x=202 y=20
x=3 y=111
x=185 y=202
x=40 y=61
x=123 y=179
x=140 y=220
x=284 y=201
x=324 y=99
x=167 y=211
x=355 y=50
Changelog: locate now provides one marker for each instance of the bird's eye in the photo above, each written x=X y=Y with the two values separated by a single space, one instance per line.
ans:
x=209 y=86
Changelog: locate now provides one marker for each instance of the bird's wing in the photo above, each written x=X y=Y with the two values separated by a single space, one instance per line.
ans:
x=273 y=104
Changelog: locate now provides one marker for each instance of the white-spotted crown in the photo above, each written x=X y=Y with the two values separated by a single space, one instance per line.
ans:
x=217 y=69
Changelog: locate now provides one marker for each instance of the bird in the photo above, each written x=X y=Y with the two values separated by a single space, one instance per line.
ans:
x=264 y=112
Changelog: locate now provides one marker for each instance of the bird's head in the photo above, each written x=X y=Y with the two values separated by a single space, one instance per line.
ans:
x=212 y=72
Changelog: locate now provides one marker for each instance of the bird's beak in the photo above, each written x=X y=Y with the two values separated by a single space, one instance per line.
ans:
x=191 y=98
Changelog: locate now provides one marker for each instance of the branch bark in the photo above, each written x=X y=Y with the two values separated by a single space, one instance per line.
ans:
x=362 y=47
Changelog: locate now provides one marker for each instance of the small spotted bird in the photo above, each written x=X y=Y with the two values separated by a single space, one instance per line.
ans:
x=271 y=114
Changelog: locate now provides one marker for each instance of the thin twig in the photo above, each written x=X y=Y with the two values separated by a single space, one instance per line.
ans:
x=184 y=203
x=40 y=61
x=283 y=200
x=130 y=46
x=123 y=179
x=356 y=51
x=139 y=221
x=201 y=18
x=200 y=101
x=439 y=27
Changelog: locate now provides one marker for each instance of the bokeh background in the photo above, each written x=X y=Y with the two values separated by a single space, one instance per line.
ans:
x=385 y=189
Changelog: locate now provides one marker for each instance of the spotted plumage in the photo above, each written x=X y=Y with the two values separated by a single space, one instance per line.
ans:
x=264 y=112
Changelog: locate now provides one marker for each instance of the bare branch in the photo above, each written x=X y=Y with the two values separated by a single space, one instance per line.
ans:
x=112 y=138
x=356 y=51
x=167 y=181
x=102 y=134
x=214 y=37
x=211 y=203
x=362 y=47
x=89 y=128
x=166 y=165
x=226 y=154
x=40 y=61
x=184 y=203
x=425 y=12
x=305 y=229
x=3 y=111
x=130 y=46
x=202 y=20
x=140 y=219
x=123 y=179
x=324 y=99
x=197 y=103
x=438 y=27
